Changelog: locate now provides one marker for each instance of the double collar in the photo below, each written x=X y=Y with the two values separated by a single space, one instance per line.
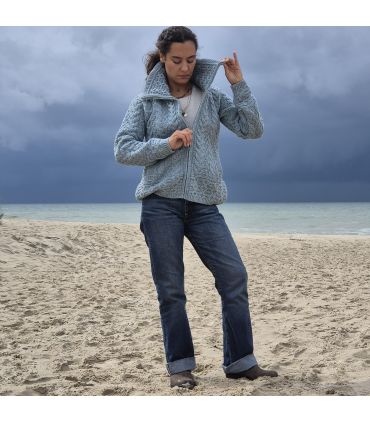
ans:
x=203 y=74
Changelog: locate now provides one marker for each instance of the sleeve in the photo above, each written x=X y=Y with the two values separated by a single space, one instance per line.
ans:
x=241 y=115
x=129 y=145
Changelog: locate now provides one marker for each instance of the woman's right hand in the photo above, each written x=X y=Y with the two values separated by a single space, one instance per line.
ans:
x=181 y=138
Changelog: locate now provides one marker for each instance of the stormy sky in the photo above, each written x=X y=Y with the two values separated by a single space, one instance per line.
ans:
x=64 y=92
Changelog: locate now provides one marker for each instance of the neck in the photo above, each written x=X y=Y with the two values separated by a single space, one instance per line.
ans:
x=178 y=90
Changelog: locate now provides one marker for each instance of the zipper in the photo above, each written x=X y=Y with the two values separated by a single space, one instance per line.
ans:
x=197 y=117
x=194 y=125
x=187 y=152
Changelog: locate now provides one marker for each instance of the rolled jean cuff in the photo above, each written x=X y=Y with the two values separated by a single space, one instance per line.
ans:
x=240 y=365
x=181 y=365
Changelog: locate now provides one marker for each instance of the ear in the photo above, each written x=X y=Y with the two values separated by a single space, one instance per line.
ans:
x=161 y=57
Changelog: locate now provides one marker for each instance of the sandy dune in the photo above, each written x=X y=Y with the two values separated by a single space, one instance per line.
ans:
x=79 y=313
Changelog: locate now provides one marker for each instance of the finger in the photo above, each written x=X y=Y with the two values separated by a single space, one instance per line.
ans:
x=184 y=138
x=189 y=135
x=181 y=137
x=229 y=61
x=235 y=57
x=184 y=142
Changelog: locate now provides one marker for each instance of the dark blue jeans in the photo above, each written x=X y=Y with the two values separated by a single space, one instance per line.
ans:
x=164 y=223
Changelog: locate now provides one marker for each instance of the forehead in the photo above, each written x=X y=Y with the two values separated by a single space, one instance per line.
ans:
x=185 y=49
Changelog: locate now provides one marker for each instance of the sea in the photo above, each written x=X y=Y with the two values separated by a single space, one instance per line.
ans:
x=342 y=218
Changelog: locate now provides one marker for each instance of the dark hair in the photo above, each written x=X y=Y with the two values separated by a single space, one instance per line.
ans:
x=172 y=34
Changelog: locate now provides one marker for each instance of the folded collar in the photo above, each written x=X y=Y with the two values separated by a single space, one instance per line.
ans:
x=203 y=74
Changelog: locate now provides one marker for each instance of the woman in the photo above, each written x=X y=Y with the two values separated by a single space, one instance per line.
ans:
x=179 y=116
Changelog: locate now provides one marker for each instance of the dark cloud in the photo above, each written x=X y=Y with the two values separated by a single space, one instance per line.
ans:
x=64 y=91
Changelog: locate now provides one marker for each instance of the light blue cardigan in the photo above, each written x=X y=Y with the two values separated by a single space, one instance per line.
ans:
x=193 y=173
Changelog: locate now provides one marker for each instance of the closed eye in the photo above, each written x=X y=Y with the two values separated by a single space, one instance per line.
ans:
x=189 y=61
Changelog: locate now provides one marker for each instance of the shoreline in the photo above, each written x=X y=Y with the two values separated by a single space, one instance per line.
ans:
x=235 y=233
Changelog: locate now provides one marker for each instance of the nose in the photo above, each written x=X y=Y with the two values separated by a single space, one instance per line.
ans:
x=185 y=67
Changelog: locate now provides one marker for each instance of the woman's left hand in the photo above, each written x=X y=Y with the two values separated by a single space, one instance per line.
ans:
x=232 y=69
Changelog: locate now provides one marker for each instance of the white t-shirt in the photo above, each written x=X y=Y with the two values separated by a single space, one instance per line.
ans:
x=191 y=110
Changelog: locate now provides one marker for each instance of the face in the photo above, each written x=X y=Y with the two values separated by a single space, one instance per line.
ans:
x=180 y=62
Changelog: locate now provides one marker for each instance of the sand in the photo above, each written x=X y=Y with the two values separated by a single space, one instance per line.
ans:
x=79 y=313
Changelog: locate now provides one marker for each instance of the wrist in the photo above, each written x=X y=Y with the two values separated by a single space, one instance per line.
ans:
x=237 y=82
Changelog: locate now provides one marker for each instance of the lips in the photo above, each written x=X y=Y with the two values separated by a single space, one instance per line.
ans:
x=184 y=76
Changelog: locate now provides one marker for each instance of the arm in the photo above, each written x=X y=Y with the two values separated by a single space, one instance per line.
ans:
x=129 y=145
x=241 y=115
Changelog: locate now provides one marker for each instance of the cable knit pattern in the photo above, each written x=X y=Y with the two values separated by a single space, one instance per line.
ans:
x=194 y=173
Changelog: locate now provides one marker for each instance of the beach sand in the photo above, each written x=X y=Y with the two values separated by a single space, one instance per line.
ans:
x=79 y=313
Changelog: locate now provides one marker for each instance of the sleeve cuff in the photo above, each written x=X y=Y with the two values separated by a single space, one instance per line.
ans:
x=241 y=91
x=164 y=148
